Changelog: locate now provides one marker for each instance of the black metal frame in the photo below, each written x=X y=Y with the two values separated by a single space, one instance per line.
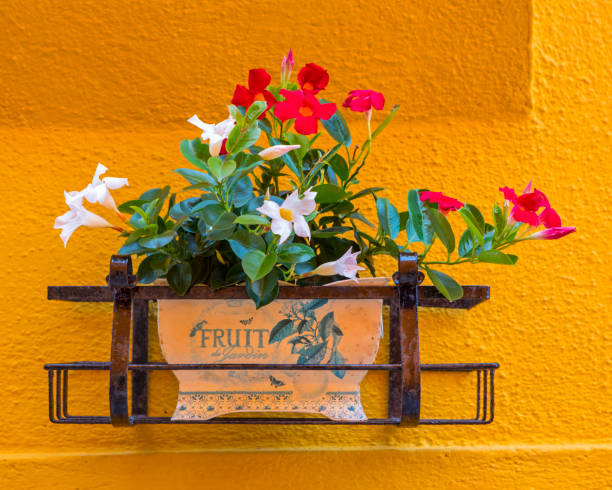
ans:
x=130 y=312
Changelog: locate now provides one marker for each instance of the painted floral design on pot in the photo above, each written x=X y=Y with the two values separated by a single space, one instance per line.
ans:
x=231 y=331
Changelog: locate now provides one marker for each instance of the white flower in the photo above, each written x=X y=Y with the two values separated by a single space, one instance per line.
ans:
x=214 y=133
x=276 y=151
x=99 y=189
x=345 y=266
x=290 y=215
x=77 y=216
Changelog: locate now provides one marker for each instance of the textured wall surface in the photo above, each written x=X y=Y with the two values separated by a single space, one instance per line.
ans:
x=492 y=92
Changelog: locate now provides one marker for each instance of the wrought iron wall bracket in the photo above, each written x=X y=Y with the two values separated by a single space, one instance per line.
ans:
x=130 y=312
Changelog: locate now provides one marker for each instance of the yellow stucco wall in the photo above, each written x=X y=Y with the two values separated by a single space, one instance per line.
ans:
x=493 y=92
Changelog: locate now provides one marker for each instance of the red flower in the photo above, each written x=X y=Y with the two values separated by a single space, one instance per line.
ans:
x=445 y=203
x=527 y=205
x=364 y=100
x=304 y=108
x=259 y=79
x=313 y=78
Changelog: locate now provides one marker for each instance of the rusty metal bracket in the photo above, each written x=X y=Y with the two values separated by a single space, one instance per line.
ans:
x=121 y=280
x=130 y=310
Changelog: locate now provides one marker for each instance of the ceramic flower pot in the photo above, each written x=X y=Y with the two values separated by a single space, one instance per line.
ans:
x=319 y=331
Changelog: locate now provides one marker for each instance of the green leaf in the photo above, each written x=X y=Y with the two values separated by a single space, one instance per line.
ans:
x=449 y=288
x=183 y=208
x=281 y=330
x=295 y=253
x=386 y=121
x=221 y=229
x=480 y=222
x=498 y=219
x=242 y=242
x=227 y=169
x=258 y=264
x=243 y=191
x=299 y=139
x=419 y=221
x=251 y=219
x=466 y=244
x=146 y=274
x=388 y=217
x=314 y=304
x=240 y=139
x=140 y=232
x=339 y=165
x=195 y=176
x=442 y=228
x=497 y=257
x=236 y=114
x=392 y=248
x=365 y=192
x=127 y=206
x=158 y=241
x=329 y=232
x=179 y=277
x=254 y=111
x=264 y=290
x=196 y=152
x=472 y=224
x=337 y=128
x=328 y=193
x=131 y=248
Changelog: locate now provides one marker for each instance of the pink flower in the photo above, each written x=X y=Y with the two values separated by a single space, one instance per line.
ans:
x=286 y=67
x=445 y=203
x=313 y=78
x=364 y=100
x=304 y=108
x=276 y=151
x=259 y=79
x=552 y=233
x=527 y=205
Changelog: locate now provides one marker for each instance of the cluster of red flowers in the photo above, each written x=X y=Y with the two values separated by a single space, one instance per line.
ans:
x=302 y=105
x=525 y=210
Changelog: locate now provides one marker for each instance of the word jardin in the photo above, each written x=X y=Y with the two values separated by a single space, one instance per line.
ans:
x=290 y=211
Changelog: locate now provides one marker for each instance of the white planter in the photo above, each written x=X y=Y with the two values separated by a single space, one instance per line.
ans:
x=286 y=331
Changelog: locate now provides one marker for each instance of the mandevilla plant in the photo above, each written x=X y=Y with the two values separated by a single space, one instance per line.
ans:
x=290 y=211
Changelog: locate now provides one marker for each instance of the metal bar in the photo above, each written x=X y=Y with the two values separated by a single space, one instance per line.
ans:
x=51 y=396
x=395 y=356
x=478 y=394
x=265 y=421
x=463 y=366
x=153 y=366
x=407 y=280
x=64 y=393
x=492 y=395
x=140 y=354
x=120 y=280
x=428 y=295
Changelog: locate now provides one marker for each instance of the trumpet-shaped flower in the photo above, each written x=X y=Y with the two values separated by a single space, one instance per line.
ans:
x=286 y=67
x=364 y=100
x=526 y=206
x=345 y=266
x=77 y=216
x=445 y=203
x=99 y=189
x=216 y=134
x=276 y=151
x=552 y=233
x=289 y=216
x=259 y=79
x=305 y=109
x=313 y=78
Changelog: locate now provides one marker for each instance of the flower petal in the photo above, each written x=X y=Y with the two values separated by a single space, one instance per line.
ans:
x=285 y=111
x=115 y=182
x=282 y=228
x=270 y=209
x=259 y=79
x=197 y=122
x=301 y=226
x=306 y=125
x=242 y=97
x=550 y=218
x=325 y=111
x=100 y=169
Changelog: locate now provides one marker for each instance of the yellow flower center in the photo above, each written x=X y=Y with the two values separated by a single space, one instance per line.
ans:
x=286 y=214
x=259 y=96
x=308 y=86
x=305 y=111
